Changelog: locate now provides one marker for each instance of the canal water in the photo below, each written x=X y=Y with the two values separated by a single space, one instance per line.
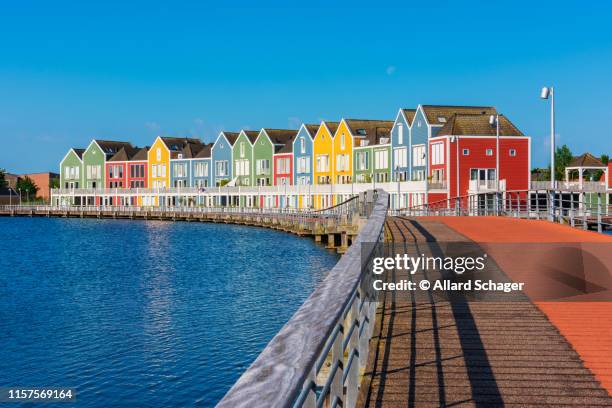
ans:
x=145 y=313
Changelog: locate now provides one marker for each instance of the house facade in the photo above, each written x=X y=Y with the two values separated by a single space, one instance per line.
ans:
x=303 y=155
x=221 y=157
x=401 y=140
x=201 y=168
x=71 y=169
x=242 y=157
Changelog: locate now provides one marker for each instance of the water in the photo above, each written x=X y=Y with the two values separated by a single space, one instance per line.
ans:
x=145 y=314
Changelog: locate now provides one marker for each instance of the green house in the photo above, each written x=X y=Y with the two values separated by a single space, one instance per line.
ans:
x=94 y=160
x=268 y=142
x=71 y=169
x=372 y=152
x=242 y=158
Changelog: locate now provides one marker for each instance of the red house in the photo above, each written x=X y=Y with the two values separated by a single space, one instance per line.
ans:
x=463 y=157
x=126 y=169
x=283 y=168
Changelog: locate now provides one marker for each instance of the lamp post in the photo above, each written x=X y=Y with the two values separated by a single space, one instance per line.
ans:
x=397 y=176
x=19 y=195
x=546 y=93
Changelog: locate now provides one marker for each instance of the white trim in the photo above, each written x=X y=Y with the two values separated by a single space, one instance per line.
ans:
x=75 y=153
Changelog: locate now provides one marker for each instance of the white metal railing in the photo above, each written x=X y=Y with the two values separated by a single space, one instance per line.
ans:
x=588 y=186
x=487 y=185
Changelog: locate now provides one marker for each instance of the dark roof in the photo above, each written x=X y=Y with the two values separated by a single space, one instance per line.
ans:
x=141 y=154
x=231 y=137
x=477 y=125
x=373 y=131
x=205 y=152
x=79 y=152
x=8 y=191
x=409 y=113
x=111 y=147
x=333 y=126
x=191 y=150
x=586 y=160
x=176 y=144
x=251 y=135
x=129 y=153
x=440 y=114
x=312 y=129
x=282 y=139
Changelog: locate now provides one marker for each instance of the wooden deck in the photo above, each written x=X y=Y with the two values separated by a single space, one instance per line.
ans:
x=431 y=352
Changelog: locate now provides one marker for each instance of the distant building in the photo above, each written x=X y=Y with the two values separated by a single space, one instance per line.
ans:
x=43 y=181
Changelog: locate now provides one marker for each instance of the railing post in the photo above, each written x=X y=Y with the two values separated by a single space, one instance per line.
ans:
x=585 y=225
x=551 y=205
x=571 y=212
x=599 y=225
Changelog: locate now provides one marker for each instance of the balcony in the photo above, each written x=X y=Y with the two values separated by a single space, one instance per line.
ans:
x=486 y=186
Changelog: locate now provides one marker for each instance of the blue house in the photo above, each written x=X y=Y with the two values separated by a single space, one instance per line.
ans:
x=201 y=168
x=303 y=154
x=180 y=167
x=221 y=157
x=402 y=146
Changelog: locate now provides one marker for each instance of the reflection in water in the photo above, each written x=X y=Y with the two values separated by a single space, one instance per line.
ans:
x=145 y=314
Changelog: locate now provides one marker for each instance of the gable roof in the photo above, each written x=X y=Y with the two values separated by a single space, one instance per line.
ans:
x=409 y=114
x=251 y=135
x=130 y=153
x=190 y=150
x=586 y=160
x=205 y=152
x=312 y=129
x=440 y=114
x=332 y=126
x=372 y=131
x=176 y=144
x=79 y=152
x=109 y=147
x=477 y=125
x=231 y=137
x=282 y=139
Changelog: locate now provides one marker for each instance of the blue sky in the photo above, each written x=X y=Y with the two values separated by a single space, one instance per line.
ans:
x=70 y=71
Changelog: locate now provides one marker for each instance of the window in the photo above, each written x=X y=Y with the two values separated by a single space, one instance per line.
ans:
x=466 y=152
x=302 y=145
x=512 y=152
x=418 y=155
x=400 y=157
x=158 y=154
x=322 y=162
x=154 y=170
x=243 y=167
x=342 y=162
x=262 y=166
x=241 y=149
x=418 y=175
x=163 y=170
x=381 y=159
x=221 y=168
x=400 y=133
x=342 y=142
x=303 y=165
x=437 y=153
x=200 y=169
x=437 y=175
x=180 y=170
x=110 y=171
x=489 y=152
x=419 y=123
x=363 y=160
x=282 y=165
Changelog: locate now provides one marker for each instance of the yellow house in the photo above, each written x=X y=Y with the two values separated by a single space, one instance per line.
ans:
x=323 y=146
x=342 y=159
x=158 y=160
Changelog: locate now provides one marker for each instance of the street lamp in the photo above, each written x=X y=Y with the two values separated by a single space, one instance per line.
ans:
x=546 y=93
x=19 y=195
x=397 y=176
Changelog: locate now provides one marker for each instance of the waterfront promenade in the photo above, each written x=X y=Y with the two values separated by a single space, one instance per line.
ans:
x=427 y=352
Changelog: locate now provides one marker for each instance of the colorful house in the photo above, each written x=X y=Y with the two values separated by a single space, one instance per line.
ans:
x=323 y=150
x=71 y=169
x=372 y=151
x=269 y=142
x=126 y=169
x=221 y=156
x=463 y=156
x=201 y=168
x=401 y=140
x=159 y=155
x=242 y=157
x=181 y=166
x=94 y=161
x=303 y=155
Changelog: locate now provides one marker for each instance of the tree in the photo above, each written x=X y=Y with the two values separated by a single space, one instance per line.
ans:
x=605 y=159
x=3 y=182
x=563 y=157
x=27 y=188
x=54 y=183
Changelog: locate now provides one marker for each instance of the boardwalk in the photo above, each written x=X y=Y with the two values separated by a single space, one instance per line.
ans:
x=428 y=352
